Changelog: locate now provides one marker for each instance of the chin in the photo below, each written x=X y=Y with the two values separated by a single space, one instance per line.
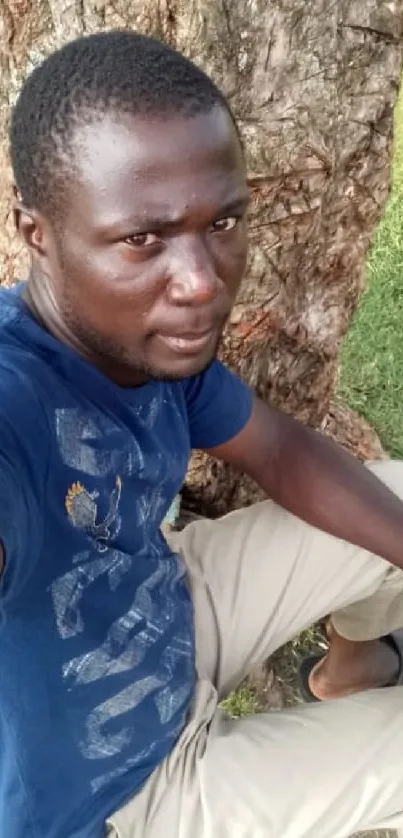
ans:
x=184 y=369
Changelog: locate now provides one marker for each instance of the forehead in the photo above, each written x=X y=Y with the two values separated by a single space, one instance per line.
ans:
x=162 y=164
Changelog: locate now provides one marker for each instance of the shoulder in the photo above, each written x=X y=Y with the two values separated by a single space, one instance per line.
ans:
x=213 y=378
x=24 y=468
x=218 y=405
x=23 y=419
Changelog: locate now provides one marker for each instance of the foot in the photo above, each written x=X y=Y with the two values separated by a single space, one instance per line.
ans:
x=349 y=668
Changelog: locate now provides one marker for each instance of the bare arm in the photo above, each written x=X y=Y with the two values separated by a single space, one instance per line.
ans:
x=318 y=481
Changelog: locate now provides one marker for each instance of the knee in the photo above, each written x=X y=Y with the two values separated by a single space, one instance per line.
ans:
x=390 y=472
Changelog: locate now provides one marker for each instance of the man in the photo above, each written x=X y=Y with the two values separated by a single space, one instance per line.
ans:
x=116 y=648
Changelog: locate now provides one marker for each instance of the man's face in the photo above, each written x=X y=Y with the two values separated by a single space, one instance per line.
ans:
x=144 y=270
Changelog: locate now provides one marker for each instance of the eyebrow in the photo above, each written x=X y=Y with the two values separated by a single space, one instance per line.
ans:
x=159 y=222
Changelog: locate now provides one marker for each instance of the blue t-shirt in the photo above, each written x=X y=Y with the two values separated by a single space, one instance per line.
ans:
x=96 y=624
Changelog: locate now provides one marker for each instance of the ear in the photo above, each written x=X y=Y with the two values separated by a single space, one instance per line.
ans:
x=36 y=233
x=32 y=228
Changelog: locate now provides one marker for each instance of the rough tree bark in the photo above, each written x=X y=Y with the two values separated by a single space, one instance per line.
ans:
x=313 y=84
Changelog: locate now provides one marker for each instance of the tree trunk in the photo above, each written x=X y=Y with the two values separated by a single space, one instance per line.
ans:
x=313 y=84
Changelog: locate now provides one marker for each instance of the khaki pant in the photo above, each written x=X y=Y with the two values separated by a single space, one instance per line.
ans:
x=258 y=577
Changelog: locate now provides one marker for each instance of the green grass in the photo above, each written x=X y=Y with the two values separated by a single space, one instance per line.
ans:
x=242 y=702
x=371 y=371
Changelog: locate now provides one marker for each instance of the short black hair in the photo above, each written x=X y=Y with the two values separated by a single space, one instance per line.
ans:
x=112 y=72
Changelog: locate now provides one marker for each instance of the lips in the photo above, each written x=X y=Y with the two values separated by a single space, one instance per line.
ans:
x=188 y=343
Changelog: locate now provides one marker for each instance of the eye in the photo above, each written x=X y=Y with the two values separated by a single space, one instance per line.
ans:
x=224 y=225
x=143 y=240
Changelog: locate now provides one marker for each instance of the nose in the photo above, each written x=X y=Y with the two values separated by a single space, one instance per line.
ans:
x=193 y=277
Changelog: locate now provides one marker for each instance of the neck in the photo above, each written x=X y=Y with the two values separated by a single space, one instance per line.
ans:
x=44 y=310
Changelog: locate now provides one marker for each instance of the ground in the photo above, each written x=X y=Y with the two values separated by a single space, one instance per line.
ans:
x=371 y=382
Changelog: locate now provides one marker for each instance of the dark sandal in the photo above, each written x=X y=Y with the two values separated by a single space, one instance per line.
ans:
x=394 y=640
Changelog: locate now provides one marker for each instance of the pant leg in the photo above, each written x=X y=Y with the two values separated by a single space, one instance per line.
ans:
x=260 y=575
x=382 y=611
x=326 y=771
x=317 y=771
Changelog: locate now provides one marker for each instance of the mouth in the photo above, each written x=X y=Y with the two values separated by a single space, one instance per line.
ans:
x=189 y=344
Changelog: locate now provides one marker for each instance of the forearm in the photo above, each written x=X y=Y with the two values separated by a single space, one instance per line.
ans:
x=318 y=481
x=322 y=484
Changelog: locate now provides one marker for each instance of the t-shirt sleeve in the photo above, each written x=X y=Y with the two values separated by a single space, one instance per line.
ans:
x=23 y=443
x=218 y=404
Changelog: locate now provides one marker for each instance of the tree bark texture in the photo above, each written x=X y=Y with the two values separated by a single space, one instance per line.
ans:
x=313 y=84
